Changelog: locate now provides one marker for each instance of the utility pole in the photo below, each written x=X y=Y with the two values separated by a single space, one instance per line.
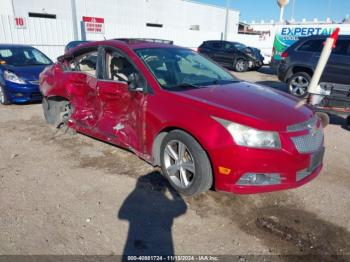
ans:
x=13 y=8
x=281 y=14
x=329 y=9
x=227 y=19
x=282 y=4
x=74 y=19
x=293 y=5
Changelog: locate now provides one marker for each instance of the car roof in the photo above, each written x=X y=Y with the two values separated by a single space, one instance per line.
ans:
x=222 y=41
x=118 y=43
x=341 y=37
x=13 y=45
x=302 y=40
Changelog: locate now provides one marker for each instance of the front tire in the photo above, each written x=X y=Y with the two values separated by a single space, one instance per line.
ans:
x=298 y=84
x=185 y=163
x=240 y=65
x=3 y=97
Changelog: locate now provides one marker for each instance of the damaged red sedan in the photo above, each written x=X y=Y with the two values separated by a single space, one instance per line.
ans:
x=176 y=109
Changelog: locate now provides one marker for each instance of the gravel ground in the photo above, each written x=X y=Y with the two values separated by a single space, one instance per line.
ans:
x=63 y=193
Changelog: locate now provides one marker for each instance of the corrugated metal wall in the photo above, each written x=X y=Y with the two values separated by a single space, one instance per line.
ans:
x=48 y=35
x=51 y=35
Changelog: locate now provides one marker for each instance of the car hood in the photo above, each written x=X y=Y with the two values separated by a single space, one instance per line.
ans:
x=28 y=73
x=253 y=53
x=250 y=104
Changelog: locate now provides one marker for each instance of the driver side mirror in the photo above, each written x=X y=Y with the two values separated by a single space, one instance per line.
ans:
x=136 y=83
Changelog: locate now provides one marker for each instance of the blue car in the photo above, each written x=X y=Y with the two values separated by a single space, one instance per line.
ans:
x=20 y=66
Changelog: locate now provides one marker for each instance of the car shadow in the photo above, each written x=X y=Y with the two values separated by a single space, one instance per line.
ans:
x=150 y=210
x=267 y=70
x=274 y=84
x=338 y=121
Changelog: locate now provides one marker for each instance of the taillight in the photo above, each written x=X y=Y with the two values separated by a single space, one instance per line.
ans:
x=199 y=49
x=284 y=55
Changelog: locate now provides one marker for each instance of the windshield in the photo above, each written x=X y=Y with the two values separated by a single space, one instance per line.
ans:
x=22 y=56
x=239 y=46
x=175 y=67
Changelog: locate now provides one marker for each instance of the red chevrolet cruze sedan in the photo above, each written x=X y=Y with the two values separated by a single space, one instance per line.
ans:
x=176 y=109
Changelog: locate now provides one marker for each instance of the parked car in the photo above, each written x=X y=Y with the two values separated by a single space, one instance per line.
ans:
x=232 y=55
x=152 y=40
x=300 y=59
x=73 y=44
x=20 y=66
x=177 y=109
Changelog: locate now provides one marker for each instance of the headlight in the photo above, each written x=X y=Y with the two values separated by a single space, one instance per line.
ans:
x=12 y=77
x=250 y=137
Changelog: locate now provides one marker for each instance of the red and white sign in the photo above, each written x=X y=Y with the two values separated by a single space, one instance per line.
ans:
x=20 y=22
x=94 y=25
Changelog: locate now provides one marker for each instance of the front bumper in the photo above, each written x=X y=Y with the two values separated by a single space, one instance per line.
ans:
x=287 y=162
x=255 y=63
x=283 y=72
x=22 y=93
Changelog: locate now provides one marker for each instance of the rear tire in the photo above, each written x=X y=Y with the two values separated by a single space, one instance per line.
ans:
x=3 y=97
x=185 y=163
x=348 y=121
x=240 y=65
x=298 y=84
x=56 y=112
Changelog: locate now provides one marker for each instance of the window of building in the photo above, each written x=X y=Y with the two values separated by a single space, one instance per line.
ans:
x=195 y=27
x=42 y=15
x=153 y=25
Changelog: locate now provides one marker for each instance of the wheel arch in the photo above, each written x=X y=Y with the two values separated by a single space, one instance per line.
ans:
x=156 y=146
x=161 y=135
x=302 y=68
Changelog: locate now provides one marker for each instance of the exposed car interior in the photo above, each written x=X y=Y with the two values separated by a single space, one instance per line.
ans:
x=118 y=68
x=85 y=63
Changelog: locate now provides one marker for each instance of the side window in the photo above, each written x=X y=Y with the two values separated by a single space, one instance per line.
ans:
x=86 y=63
x=228 y=46
x=312 y=46
x=5 y=53
x=342 y=48
x=5 y=56
x=117 y=67
x=216 y=45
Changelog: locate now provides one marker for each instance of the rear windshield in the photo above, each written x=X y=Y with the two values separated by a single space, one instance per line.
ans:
x=23 y=56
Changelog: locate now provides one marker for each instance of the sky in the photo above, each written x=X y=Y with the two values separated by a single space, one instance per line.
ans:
x=267 y=10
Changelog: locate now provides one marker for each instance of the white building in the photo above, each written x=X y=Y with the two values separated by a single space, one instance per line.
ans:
x=49 y=25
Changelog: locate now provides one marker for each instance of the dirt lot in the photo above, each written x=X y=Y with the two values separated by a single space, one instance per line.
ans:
x=64 y=193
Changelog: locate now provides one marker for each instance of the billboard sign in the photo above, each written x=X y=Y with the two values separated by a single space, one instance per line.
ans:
x=287 y=35
x=94 y=25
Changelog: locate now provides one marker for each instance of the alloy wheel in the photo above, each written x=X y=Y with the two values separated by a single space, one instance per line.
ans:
x=179 y=164
x=240 y=65
x=298 y=85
